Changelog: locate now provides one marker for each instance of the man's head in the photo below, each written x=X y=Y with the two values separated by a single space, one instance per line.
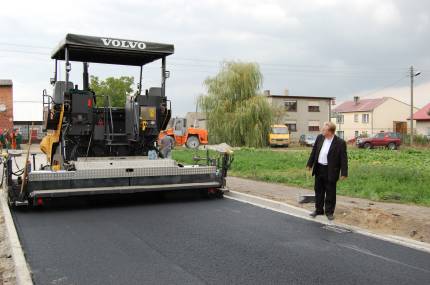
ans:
x=328 y=129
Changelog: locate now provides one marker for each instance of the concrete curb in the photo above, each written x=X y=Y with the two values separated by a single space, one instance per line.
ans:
x=22 y=272
x=304 y=214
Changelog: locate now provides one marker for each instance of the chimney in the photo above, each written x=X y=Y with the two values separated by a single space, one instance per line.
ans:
x=286 y=93
x=266 y=92
x=356 y=100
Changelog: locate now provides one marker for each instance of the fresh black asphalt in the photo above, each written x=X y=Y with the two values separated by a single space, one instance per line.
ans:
x=196 y=241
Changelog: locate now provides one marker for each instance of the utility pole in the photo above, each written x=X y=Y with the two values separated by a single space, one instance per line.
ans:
x=412 y=105
x=412 y=75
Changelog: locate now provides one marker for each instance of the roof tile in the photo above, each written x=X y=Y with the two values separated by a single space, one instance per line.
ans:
x=423 y=113
x=363 y=105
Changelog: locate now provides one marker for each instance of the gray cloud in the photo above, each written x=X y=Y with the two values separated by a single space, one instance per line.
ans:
x=326 y=48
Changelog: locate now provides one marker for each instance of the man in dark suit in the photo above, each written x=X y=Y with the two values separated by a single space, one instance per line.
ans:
x=328 y=158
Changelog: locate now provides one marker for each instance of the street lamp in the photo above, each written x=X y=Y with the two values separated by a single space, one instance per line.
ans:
x=412 y=75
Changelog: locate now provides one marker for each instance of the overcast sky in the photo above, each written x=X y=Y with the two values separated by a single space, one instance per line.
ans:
x=312 y=48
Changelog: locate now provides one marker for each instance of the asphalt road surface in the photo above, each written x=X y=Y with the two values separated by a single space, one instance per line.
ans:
x=195 y=241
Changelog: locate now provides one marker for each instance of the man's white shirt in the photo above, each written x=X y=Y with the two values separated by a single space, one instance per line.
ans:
x=322 y=158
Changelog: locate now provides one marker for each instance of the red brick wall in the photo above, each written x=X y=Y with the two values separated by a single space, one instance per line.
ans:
x=6 y=98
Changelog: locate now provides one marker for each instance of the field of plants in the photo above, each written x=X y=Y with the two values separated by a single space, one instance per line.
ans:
x=397 y=176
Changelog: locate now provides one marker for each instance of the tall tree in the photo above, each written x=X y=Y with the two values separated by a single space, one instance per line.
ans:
x=236 y=111
x=116 y=88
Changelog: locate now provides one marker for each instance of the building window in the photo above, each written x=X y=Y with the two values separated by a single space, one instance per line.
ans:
x=290 y=105
x=314 y=106
x=292 y=126
x=356 y=134
x=365 y=118
x=356 y=118
x=340 y=134
x=339 y=119
x=428 y=131
x=314 y=126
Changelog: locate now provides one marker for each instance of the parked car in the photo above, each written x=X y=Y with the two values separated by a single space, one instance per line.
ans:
x=352 y=141
x=279 y=136
x=390 y=140
x=307 y=140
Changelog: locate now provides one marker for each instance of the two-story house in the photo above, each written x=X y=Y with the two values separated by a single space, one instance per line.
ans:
x=303 y=114
x=370 y=116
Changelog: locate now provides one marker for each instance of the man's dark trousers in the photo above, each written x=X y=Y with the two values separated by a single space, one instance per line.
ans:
x=325 y=191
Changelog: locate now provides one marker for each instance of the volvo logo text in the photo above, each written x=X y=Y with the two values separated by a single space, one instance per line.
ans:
x=123 y=43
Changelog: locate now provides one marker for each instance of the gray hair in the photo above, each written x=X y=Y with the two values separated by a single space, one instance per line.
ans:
x=331 y=126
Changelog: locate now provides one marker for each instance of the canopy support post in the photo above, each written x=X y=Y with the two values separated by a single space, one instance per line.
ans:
x=85 y=78
x=66 y=57
x=140 y=80
x=163 y=76
x=55 y=72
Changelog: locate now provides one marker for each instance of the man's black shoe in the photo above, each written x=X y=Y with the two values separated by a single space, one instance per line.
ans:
x=315 y=213
x=330 y=217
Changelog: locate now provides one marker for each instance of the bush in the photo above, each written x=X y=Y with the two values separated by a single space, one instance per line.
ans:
x=418 y=140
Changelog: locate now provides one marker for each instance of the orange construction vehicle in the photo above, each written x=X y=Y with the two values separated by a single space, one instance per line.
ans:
x=190 y=137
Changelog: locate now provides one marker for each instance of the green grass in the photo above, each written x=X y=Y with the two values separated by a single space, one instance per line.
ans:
x=397 y=176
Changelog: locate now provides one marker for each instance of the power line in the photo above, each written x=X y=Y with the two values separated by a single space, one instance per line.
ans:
x=385 y=87
x=272 y=70
x=301 y=69
x=208 y=66
x=219 y=62
x=24 y=51
x=290 y=64
x=21 y=45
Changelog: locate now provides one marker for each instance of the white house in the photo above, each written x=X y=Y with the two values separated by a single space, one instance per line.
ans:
x=370 y=116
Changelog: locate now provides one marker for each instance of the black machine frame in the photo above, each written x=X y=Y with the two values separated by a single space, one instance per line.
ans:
x=119 y=52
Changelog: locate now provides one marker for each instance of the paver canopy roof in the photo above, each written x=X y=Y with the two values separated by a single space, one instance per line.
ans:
x=110 y=50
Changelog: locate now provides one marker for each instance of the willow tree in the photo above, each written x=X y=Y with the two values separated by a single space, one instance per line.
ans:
x=236 y=111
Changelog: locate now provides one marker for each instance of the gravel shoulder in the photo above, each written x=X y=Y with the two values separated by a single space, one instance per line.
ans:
x=7 y=269
x=402 y=220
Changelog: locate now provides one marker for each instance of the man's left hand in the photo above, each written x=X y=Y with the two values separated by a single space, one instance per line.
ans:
x=343 y=177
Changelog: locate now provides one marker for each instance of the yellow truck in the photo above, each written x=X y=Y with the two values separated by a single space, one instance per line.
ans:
x=279 y=136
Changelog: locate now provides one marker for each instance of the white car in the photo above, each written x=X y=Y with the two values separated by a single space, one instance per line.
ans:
x=307 y=140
